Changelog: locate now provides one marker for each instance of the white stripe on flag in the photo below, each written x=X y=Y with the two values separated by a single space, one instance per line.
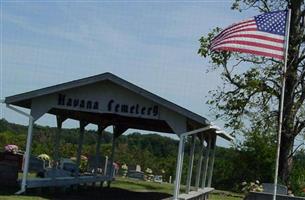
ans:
x=252 y=23
x=247 y=47
x=275 y=44
x=259 y=33
x=239 y=23
x=236 y=27
x=220 y=36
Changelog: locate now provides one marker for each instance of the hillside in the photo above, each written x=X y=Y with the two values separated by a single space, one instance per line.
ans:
x=148 y=150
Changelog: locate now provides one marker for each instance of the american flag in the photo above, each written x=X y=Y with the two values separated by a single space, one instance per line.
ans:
x=262 y=35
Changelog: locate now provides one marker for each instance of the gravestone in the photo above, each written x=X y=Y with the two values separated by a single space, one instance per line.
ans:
x=269 y=196
x=134 y=168
x=36 y=164
x=8 y=174
x=269 y=187
x=135 y=174
x=268 y=193
x=9 y=167
x=13 y=159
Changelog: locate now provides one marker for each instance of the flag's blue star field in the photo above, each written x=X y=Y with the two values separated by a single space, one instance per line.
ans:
x=273 y=22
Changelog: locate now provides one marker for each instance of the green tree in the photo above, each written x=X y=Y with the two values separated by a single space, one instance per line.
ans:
x=257 y=156
x=297 y=183
x=251 y=93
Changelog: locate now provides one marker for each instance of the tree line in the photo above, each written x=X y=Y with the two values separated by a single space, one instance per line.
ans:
x=249 y=161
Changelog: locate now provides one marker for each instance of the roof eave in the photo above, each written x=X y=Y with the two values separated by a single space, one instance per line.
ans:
x=27 y=96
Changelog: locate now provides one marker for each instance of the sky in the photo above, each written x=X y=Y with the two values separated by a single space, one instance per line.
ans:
x=152 y=44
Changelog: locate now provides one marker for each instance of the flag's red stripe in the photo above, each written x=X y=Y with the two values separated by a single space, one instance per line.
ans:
x=229 y=34
x=260 y=53
x=254 y=44
x=261 y=37
x=236 y=25
x=236 y=31
x=233 y=28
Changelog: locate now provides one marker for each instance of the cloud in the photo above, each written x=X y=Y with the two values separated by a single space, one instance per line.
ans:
x=153 y=47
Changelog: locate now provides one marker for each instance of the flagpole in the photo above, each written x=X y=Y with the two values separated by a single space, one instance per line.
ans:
x=282 y=104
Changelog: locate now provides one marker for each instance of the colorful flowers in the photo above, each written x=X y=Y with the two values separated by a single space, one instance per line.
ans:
x=11 y=148
x=44 y=157
x=124 y=166
x=82 y=157
x=252 y=186
x=148 y=171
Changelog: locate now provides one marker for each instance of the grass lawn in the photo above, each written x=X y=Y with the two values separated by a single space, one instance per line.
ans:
x=144 y=186
x=124 y=186
x=14 y=197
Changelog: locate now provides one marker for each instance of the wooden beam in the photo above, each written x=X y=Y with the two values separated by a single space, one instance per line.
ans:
x=98 y=145
x=191 y=165
x=199 y=166
x=206 y=162
x=80 y=145
x=211 y=167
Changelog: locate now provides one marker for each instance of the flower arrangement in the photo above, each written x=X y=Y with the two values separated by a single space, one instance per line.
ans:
x=124 y=168
x=252 y=187
x=83 y=162
x=11 y=148
x=82 y=157
x=149 y=175
x=73 y=159
x=44 y=157
x=148 y=171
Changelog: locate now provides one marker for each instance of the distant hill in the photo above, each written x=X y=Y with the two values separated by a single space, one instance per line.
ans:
x=147 y=150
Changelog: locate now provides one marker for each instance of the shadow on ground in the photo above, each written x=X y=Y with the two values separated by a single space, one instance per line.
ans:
x=91 y=193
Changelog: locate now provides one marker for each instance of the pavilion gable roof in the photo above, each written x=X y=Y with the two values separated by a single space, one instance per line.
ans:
x=24 y=99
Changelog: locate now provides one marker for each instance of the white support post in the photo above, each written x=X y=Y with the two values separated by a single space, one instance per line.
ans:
x=199 y=166
x=211 y=167
x=80 y=146
x=190 y=168
x=111 y=172
x=26 y=163
x=106 y=166
x=112 y=155
x=206 y=163
x=179 y=167
x=27 y=155
x=56 y=146
x=117 y=131
x=97 y=151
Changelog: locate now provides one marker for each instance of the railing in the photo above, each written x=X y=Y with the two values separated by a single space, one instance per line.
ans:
x=200 y=194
